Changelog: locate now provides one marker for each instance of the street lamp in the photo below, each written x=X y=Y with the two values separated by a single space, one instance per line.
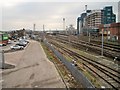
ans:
x=89 y=37
x=63 y=24
x=43 y=31
x=105 y=26
x=102 y=42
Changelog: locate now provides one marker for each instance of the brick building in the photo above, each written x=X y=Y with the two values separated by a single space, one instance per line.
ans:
x=111 y=31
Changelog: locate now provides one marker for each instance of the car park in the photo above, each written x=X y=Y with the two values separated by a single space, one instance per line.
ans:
x=3 y=44
x=0 y=45
x=27 y=40
x=16 y=47
x=21 y=44
x=24 y=43
x=9 y=41
x=24 y=40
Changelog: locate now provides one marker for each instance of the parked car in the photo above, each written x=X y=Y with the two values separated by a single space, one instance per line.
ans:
x=27 y=40
x=24 y=40
x=16 y=47
x=9 y=41
x=3 y=44
x=22 y=44
x=0 y=45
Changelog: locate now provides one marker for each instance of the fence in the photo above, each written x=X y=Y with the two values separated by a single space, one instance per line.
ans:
x=2 y=62
x=74 y=71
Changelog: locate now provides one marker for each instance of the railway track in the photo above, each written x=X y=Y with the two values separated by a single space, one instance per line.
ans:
x=112 y=47
x=106 y=44
x=109 y=46
x=95 y=48
x=105 y=70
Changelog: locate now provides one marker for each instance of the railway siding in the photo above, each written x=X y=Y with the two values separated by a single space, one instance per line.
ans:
x=99 y=68
x=74 y=71
x=108 y=51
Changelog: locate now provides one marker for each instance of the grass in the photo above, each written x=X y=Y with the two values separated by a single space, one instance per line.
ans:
x=85 y=71
x=93 y=79
x=81 y=52
x=63 y=72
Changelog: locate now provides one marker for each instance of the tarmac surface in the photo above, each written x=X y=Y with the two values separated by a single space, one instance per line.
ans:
x=30 y=68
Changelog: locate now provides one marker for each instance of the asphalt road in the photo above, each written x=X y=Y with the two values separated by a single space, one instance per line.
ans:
x=32 y=69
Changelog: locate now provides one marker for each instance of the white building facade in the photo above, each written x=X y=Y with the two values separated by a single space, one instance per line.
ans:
x=119 y=11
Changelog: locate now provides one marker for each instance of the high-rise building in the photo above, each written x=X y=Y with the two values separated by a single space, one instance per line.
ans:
x=91 y=19
x=108 y=15
x=80 y=22
x=94 y=19
x=119 y=11
x=78 y=25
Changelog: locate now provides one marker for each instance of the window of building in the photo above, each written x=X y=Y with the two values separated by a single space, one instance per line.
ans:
x=113 y=17
x=108 y=9
x=108 y=17
x=113 y=20
x=108 y=13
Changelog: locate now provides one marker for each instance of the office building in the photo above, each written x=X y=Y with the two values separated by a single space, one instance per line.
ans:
x=89 y=21
x=108 y=15
x=81 y=22
x=94 y=19
x=119 y=11
x=78 y=25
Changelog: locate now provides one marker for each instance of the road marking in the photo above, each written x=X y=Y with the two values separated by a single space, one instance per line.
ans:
x=1 y=81
x=0 y=72
x=36 y=86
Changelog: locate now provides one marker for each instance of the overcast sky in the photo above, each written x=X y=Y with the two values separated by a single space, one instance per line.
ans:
x=18 y=15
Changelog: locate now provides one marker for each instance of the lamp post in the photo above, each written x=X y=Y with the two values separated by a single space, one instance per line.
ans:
x=102 y=42
x=89 y=37
x=34 y=27
x=43 y=31
x=63 y=24
x=105 y=25
x=66 y=30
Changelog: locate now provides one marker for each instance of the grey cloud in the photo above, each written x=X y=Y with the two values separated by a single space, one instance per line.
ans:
x=49 y=13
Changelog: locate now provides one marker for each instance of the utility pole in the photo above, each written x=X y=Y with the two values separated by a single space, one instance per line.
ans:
x=66 y=29
x=86 y=8
x=63 y=23
x=43 y=31
x=43 y=28
x=105 y=26
x=33 y=32
x=102 y=42
x=34 y=27
x=89 y=37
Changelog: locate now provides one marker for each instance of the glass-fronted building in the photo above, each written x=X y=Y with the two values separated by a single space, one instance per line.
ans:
x=108 y=15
